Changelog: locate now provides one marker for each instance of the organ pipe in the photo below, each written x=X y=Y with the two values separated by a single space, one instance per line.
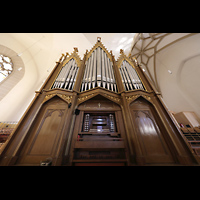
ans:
x=103 y=69
x=76 y=72
x=67 y=76
x=98 y=72
x=130 y=77
x=90 y=74
x=94 y=69
x=98 y=67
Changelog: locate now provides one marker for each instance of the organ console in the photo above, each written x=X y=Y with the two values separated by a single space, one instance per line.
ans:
x=97 y=111
x=99 y=123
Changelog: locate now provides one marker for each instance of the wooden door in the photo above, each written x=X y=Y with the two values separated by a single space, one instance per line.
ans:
x=151 y=133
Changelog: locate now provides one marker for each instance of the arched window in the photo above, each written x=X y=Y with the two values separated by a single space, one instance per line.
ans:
x=6 y=66
x=12 y=70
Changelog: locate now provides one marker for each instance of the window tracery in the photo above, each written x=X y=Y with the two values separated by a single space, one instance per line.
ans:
x=6 y=67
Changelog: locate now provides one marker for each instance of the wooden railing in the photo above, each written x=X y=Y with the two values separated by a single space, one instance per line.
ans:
x=6 y=128
x=192 y=136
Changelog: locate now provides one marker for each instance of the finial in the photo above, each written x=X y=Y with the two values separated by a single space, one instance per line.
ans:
x=75 y=49
x=86 y=52
x=121 y=51
x=99 y=39
x=66 y=55
x=61 y=58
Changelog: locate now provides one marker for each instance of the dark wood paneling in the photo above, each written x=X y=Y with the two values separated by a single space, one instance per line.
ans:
x=151 y=140
x=99 y=107
x=100 y=144
x=99 y=164
x=46 y=136
x=44 y=133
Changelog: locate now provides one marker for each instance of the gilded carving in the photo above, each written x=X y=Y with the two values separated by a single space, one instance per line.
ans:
x=132 y=98
x=67 y=98
x=124 y=57
x=75 y=56
x=99 y=44
x=85 y=97
x=47 y=97
x=116 y=99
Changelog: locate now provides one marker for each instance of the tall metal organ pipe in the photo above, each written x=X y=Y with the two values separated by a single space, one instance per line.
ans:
x=67 y=76
x=130 y=78
x=99 y=72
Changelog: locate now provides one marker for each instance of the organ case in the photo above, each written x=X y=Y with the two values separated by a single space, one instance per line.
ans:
x=97 y=111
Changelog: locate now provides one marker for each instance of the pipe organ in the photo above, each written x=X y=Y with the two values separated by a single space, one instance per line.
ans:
x=130 y=78
x=67 y=76
x=97 y=111
x=99 y=72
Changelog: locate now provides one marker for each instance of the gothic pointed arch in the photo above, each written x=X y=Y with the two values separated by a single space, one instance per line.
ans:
x=99 y=69
x=131 y=99
x=108 y=95
x=66 y=98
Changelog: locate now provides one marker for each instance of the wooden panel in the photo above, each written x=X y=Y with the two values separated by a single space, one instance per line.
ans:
x=99 y=164
x=99 y=103
x=99 y=144
x=152 y=142
x=149 y=134
x=47 y=136
x=45 y=133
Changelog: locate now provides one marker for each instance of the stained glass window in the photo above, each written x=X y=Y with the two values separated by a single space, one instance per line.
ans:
x=6 y=67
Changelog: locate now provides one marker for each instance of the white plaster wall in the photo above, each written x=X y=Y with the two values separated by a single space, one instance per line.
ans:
x=13 y=105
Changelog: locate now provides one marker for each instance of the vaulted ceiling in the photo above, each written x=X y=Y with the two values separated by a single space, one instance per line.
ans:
x=172 y=63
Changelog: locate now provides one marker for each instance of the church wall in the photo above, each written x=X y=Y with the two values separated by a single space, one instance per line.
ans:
x=179 y=89
x=14 y=104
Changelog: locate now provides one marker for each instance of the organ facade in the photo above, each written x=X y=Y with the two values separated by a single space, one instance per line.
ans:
x=97 y=112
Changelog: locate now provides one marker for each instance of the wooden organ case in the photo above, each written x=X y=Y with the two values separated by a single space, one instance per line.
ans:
x=97 y=112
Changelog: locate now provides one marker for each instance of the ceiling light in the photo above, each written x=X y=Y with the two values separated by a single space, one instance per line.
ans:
x=170 y=71
x=19 y=54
